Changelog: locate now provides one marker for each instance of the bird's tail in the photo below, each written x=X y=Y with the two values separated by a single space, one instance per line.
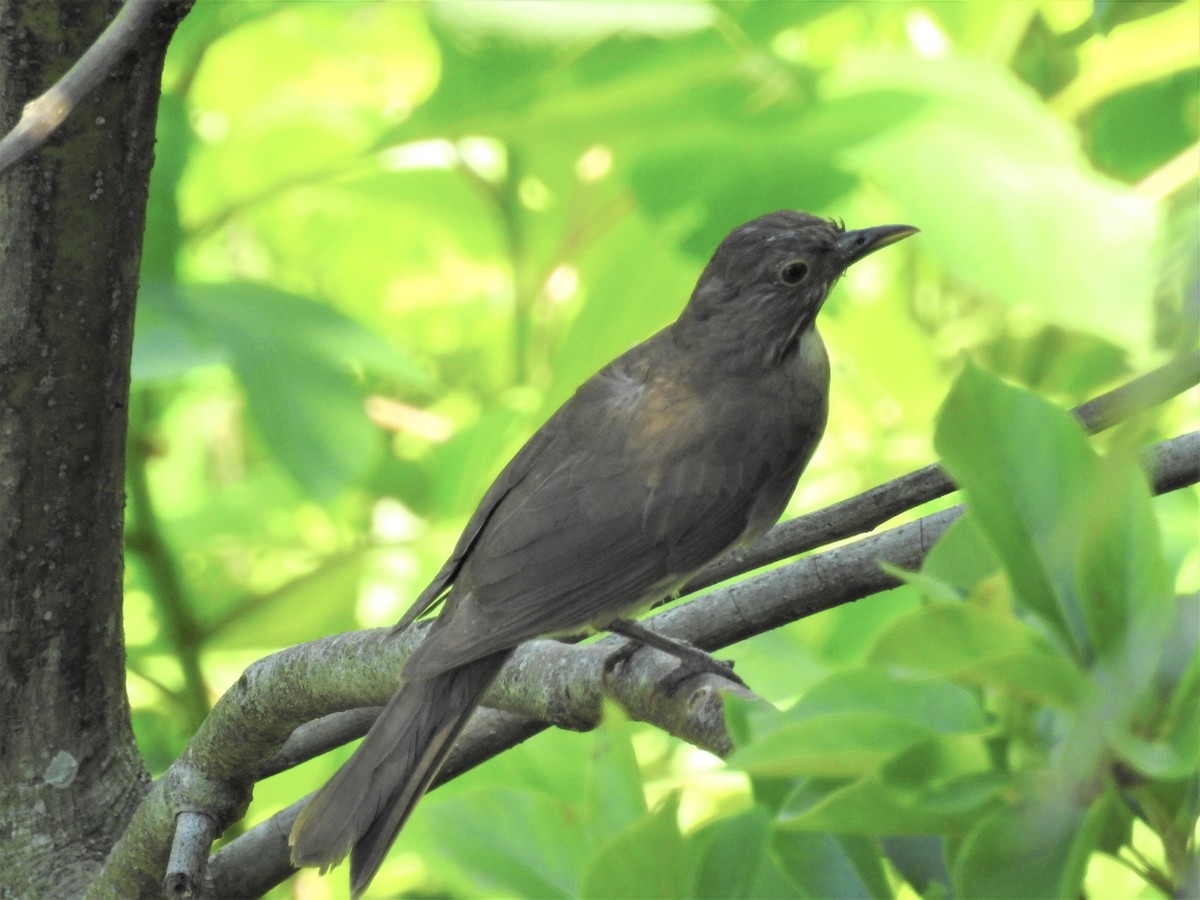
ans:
x=363 y=807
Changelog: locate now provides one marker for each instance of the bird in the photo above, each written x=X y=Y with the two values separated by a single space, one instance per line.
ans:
x=683 y=447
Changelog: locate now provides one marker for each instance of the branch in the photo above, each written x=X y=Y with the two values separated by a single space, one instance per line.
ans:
x=552 y=682
x=42 y=116
x=542 y=683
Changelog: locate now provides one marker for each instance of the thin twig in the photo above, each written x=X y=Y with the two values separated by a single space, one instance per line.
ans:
x=42 y=116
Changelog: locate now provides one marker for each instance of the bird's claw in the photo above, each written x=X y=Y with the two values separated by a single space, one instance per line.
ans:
x=694 y=662
x=619 y=657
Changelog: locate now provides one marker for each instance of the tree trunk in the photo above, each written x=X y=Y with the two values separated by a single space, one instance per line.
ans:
x=71 y=222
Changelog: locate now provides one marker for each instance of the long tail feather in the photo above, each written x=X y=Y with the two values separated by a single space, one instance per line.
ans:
x=363 y=807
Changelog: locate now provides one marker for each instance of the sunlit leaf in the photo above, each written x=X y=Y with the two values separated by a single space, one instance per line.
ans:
x=935 y=769
x=932 y=703
x=963 y=642
x=834 y=745
x=517 y=21
x=292 y=358
x=1027 y=472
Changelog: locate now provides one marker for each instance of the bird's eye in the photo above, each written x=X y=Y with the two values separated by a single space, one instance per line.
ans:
x=794 y=272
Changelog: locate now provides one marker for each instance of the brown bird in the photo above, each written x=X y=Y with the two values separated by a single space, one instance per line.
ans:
x=679 y=449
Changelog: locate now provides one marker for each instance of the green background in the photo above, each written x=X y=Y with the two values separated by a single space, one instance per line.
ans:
x=387 y=239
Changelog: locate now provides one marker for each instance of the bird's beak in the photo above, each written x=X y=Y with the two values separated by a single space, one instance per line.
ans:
x=854 y=245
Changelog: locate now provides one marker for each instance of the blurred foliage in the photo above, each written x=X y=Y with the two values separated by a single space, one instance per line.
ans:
x=386 y=240
x=1030 y=721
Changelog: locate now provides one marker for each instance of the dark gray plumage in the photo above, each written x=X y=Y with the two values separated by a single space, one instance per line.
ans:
x=687 y=444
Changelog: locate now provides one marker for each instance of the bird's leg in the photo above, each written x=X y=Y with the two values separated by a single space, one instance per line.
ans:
x=692 y=659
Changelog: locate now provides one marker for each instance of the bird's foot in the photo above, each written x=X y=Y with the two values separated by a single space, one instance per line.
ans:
x=692 y=660
x=619 y=657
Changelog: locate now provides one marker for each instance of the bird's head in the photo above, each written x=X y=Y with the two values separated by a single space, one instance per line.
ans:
x=768 y=279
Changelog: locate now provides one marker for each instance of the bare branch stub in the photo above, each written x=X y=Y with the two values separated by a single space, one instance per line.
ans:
x=194 y=836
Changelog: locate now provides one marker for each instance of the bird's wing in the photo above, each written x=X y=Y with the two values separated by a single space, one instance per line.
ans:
x=510 y=476
x=640 y=485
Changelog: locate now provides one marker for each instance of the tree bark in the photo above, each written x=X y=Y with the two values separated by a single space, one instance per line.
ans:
x=71 y=222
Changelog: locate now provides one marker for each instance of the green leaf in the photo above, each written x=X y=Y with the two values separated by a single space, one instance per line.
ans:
x=417 y=251
x=1027 y=472
x=869 y=806
x=835 y=745
x=933 y=589
x=975 y=646
x=830 y=865
x=648 y=859
x=294 y=115
x=736 y=860
x=624 y=304
x=1179 y=656
x=1108 y=14
x=1171 y=749
x=1060 y=242
x=934 y=704
x=205 y=24
x=293 y=358
x=542 y=95
x=538 y=852
x=742 y=718
x=768 y=174
x=921 y=861
x=1037 y=849
x=554 y=763
x=1123 y=578
x=960 y=558
x=320 y=602
x=614 y=798
x=1076 y=535
x=519 y=22
x=939 y=771
x=1135 y=130
x=163 y=234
